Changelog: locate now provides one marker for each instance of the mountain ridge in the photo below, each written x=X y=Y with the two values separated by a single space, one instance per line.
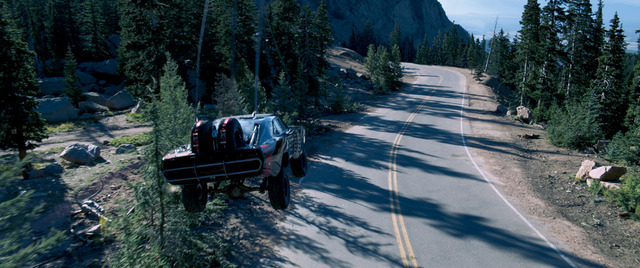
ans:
x=415 y=17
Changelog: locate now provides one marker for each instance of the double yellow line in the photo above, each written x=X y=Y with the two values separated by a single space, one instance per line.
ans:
x=402 y=236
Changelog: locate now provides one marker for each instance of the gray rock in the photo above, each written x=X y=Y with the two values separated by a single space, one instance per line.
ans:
x=112 y=90
x=113 y=42
x=54 y=169
x=583 y=172
x=524 y=114
x=95 y=98
x=57 y=109
x=125 y=148
x=52 y=86
x=120 y=100
x=81 y=153
x=608 y=173
x=108 y=67
x=91 y=107
x=85 y=79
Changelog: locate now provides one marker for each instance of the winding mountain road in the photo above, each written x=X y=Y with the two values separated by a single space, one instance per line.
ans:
x=401 y=189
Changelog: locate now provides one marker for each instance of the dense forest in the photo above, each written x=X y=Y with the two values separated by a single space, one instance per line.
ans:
x=566 y=63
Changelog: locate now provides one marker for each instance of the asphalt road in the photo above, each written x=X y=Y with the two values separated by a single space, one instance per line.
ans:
x=401 y=190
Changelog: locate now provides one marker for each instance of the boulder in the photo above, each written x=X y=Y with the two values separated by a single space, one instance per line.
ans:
x=611 y=185
x=52 y=86
x=85 y=79
x=91 y=107
x=120 y=100
x=524 y=114
x=583 y=172
x=108 y=67
x=81 y=153
x=125 y=148
x=113 y=42
x=54 y=169
x=95 y=98
x=608 y=173
x=57 y=109
x=112 y=90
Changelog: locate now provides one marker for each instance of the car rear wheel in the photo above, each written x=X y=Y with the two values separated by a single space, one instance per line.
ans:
x=194 y=197
x=299 y=166
x=279 y=192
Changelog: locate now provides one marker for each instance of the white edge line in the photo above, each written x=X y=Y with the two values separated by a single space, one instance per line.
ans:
x=464 y=143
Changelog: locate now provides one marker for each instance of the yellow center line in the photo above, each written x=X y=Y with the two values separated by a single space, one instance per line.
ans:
x=402 y=235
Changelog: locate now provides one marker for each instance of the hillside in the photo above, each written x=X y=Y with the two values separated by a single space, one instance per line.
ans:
x=416 y=17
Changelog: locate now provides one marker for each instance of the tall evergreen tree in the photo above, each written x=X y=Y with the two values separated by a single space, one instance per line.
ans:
x=551 y=52
x=72 y=88
x=395 y=37
x=528 y=51
x=578 y=30
x=609 y=83
x=20 y=123
x=93 y=30
x=633 y=114
x=142 y=46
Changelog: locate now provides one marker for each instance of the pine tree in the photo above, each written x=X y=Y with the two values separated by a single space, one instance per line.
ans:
x=395 y=78
x=551 y=53
x=632 y=120
x=528 y=51
x=93 y=30
x=175 y=114
x=395 y=37
x=142 y=46
x=72 y=88
x=580 y=66
x=21 y=123
x=609 y=83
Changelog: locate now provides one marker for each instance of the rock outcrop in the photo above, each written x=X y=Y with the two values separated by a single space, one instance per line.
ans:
x=52 y=85
x=415 y=17
x=57 y=109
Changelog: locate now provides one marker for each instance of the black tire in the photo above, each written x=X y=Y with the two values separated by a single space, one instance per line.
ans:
x=202 y=142
x=279 y=192
x=299 y=166
x=194 y=197
x=233 y=132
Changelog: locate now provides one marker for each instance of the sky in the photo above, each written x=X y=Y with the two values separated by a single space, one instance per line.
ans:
x=479 y=16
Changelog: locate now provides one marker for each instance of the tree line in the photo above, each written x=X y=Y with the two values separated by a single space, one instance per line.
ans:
x=573 y=70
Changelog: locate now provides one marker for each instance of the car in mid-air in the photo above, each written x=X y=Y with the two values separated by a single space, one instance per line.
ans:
x=225 y=152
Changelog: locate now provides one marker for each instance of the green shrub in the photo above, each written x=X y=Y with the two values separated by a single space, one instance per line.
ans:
x=628 y=197
x=575 y=126
x=137 y=140
x=624 y=149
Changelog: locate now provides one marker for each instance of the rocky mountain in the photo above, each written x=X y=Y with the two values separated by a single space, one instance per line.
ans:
x=416 y=17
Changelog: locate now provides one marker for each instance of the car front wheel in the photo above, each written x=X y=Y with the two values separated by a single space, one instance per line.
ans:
x=279 y=192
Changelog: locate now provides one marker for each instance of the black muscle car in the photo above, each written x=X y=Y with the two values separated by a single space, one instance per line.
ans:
x=233 y=149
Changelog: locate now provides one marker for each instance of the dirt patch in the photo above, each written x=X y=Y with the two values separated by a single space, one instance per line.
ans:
x=538 y=178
